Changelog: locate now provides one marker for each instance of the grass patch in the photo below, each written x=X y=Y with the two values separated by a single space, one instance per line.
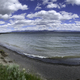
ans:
x=14 y=73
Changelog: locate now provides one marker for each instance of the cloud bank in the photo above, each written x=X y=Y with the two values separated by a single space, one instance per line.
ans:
x=40 y=19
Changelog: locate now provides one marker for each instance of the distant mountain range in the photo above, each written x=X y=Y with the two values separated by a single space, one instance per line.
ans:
x=44 y=31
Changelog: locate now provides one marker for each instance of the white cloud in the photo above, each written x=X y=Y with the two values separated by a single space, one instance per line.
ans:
x=21 y=23
x=62 y=5
x=45 y=14
x=44 y=20
x=55 y=5
x=77 y=22
x=77 y=2
x=52 y=5
x=49 y=26
x=19 y=17
x=53 y=15
x=5 y=16
x=52 y=20
x=45 y=1
x=53 y=0
x=39 y=24
x=2 y=22
x=48 y=20
x=7 y=7
x=28 y=22
x=68 y=16
x=38 y=6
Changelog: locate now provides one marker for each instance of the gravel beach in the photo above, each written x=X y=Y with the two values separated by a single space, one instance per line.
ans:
x=44 y=70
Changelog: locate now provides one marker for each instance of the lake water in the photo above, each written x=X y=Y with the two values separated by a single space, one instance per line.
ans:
x=43 y=44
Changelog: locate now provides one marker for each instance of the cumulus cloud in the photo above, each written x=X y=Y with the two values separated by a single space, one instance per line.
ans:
x=47 y=25
x=48 y=20
x=39 y=24
x=2 y=22
x=76 y=2
x=44 y=14
x=41 y=20
x=5 y=16
x=19 y=22
x=9 y=6
x=52 y=5
x=44 y=20
x=19 y=17
x=53 y=15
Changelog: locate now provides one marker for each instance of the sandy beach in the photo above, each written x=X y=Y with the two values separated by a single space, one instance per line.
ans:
x=44 y=70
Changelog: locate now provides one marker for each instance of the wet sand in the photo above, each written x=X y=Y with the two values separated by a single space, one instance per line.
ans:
x=44 y=70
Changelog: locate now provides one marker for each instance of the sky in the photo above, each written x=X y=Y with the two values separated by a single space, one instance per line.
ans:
x=20 y=15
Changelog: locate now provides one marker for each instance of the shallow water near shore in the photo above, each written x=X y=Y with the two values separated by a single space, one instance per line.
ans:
x=50 y=46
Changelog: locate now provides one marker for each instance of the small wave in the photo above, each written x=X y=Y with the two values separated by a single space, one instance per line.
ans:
x=10 y=47
x=56 y=60
x=34 y=56
x=64 y=60
x=16 y=46
x=64 y=57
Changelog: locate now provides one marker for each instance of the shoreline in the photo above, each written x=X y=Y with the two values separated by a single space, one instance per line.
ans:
x=44 y=70
x=66 y=61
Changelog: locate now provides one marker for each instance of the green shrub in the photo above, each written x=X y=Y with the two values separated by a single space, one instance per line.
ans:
x=13 y=73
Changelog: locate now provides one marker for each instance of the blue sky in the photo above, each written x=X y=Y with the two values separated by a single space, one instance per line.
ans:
x=39 y=15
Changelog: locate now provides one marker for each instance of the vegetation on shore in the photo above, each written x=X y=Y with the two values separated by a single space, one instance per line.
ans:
x=12 y=72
